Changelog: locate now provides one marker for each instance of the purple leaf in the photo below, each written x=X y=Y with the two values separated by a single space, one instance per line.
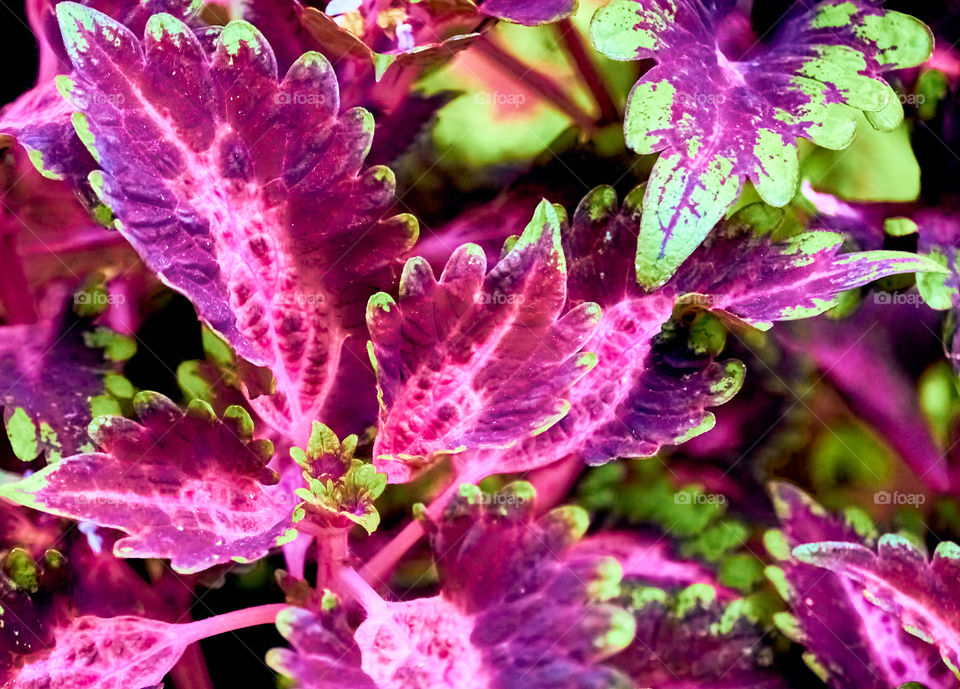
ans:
x=184 y=486
x=529 y=12
x=719 y=119
x=653 y=386
x=646 y=558
x=920 y=594
x=106 y=653
x=688 y=639
x=477 y=360
x=243 y=192
x=849 y=642
x=746 y=274
x=324 y=653
x=507 y=587
x=40 y=120
x=51 y=381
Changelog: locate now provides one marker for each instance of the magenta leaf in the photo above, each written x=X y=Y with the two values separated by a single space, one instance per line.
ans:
x=857 y=358
x=324 y=653
x=53 y=383
x=493 y=625
x=241 y=191
x=183 y=485
x=920 y=594
x=106 y=653
x=529 y=12
x=740 y=270
x=653 y=384
x=688 y=639
x=719 y=119
x=477 y=360
x=849 y=642
x=40 y=120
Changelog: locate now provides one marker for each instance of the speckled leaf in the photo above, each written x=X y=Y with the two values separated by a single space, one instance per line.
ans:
x=921 y=594
x=745 y=273
x=491 y=626
x=849 y=642
x=720 y=119
x=476 y=359
x=689 y=639
x=653 y=385
x=183 y=485
x=106 y=653
x=324 y=654
x=52 y=384
x=241 y=191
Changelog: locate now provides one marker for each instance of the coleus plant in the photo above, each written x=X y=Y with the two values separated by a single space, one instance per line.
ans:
x=360 y=390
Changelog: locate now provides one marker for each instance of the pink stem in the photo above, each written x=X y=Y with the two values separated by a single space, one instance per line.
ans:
x=379 y=567
x=232 y=621
x=539 y=82
x=573 y=43
x=554 y=481
x=358 y=588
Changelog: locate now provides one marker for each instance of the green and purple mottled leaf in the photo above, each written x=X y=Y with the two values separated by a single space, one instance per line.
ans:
x=849 y=642
x=720 y=119
x=51 y=385
x=477 y=360
x=688 y=639
x=653 y=385
x=324 y=653
x=492 y=626
x=242 y=191
x=920 y=593
x=40 y=120
x=183 y=485
x=106 y=653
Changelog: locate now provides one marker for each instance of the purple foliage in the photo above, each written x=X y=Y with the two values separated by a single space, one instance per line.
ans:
x=228 y=356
